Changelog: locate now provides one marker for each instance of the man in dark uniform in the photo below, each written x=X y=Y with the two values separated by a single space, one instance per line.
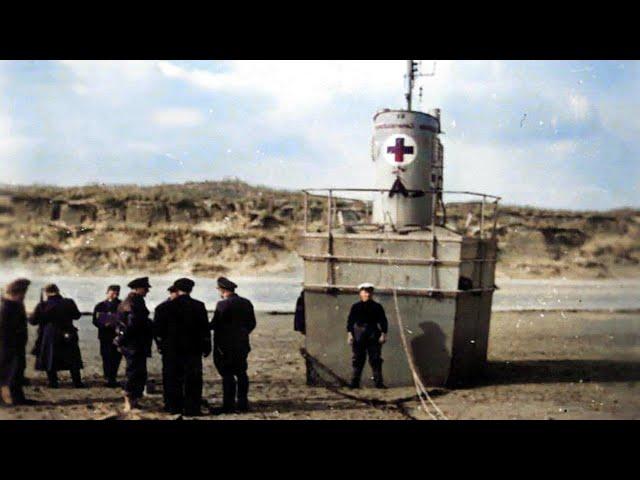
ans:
x=159 y=318
x=367 y=328
x=299 y=320
x=182 y=331
x=13 y=343
x=105 y=317
x=59 y=347
x=134 y=339
x=233 y=321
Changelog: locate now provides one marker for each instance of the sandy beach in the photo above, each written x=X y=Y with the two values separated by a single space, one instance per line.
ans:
x=542 y=365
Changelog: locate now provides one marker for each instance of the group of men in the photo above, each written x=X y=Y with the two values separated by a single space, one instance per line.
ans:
x=180 y=328
x=182 y=333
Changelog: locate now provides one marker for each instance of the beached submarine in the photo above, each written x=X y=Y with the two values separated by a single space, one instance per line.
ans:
x=434 y=281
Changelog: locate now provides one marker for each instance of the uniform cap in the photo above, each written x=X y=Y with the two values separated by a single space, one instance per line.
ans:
x=184 y=284
x=113 y=288
x=51 y=288
x=366 y=286
x=226 y=284
x=142 y=282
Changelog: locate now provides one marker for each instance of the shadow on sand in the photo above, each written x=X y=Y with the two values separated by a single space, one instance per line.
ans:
x=559 y=371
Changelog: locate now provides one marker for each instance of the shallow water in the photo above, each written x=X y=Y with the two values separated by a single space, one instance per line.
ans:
x=279 y=292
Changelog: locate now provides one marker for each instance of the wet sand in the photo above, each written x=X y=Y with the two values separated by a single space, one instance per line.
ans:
x=542 y=365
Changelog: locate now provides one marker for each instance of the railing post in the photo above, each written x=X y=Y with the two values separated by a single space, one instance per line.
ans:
x=306 y=210
x=330 y=276
x=482 y=218
x=330 y=210
x=495 y=218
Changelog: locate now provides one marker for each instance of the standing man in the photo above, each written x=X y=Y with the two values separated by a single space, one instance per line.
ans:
x=367 y=328
x=182 y=330
x=134 y=339
x=233 y=321
x=60 y=347
x=105 y=317
x=160 y=317
x=13 y=343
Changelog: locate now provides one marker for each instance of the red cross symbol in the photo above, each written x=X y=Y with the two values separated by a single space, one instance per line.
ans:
x=399 y=150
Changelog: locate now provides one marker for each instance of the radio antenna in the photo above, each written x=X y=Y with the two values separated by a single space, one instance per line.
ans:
x=413 y=72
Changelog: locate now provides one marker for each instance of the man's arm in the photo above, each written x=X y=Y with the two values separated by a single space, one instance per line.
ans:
x=382 y=320
x=251 y=318
x=217 y=315
x=384 y=324
x=34 y=318
x=351 y=319
x=159 y=325
x=205 y=332
x=95 y=315
x=74 y=313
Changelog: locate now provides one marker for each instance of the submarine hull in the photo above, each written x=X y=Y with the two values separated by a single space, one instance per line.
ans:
x=446 y=327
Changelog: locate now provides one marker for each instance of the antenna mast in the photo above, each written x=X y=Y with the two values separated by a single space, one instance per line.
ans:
x=413 y=71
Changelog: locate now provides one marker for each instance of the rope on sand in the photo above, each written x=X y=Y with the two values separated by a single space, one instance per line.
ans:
x=420 y=389
x=372 y=402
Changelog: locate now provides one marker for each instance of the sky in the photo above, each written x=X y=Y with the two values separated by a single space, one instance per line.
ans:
x=559 y=134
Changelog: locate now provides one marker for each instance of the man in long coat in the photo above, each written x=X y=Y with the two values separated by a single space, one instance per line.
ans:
x=134 y=339
x=105 y=317
x=160 y=317
x=59 y=348
x=233 y=321
x=181 y=329
x=13 y=343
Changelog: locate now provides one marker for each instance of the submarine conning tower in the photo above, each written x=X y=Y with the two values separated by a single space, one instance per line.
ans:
x=407 y=156
x=432 y=263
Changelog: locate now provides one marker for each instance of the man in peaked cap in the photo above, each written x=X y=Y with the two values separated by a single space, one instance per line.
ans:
x=367 y=328
x=59 y=346
x=13 y=342
x=233 y=322
x=134 y=339
x=181 y=328
x=140 y=284
x=160 y=318
x=105 y=318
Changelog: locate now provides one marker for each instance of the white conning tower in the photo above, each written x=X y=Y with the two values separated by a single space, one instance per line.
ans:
x=407 y=156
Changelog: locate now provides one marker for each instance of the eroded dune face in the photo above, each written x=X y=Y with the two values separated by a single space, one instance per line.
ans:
x=212 y=227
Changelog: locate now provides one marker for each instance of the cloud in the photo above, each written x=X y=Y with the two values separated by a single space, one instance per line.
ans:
x=177 y=117
x=296 y=87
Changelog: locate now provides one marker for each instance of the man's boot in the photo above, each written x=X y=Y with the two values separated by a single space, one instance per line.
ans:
x=355 y=378
x=228 y=394
x=243 y=393
x=77 y=379
x=377 y=377
x=52 y=377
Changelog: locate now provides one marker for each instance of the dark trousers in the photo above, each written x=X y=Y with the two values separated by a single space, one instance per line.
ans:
x=13 y=377
x=111 y=359
x=371 y=348
x=136 y=372
x=233 y=370
x=52 y=376
x=232 y=384
x=182 y=377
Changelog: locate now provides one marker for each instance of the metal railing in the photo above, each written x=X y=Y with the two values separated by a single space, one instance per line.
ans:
x=436 y=196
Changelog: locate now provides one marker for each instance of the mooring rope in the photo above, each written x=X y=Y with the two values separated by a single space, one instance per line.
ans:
x=420 y=389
